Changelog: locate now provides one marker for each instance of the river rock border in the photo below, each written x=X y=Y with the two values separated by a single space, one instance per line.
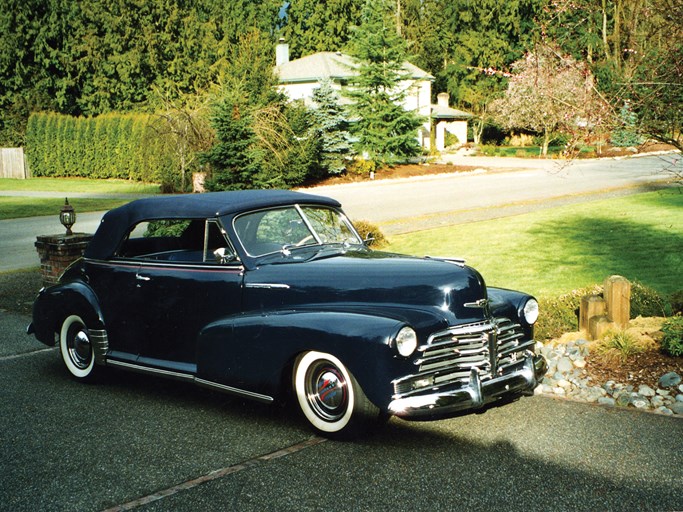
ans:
x=567 y=378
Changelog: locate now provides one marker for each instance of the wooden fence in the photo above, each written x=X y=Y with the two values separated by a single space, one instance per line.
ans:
x=12 y=163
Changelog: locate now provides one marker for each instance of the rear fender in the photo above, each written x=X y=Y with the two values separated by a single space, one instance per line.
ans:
x=257 y=352
x=55 y=303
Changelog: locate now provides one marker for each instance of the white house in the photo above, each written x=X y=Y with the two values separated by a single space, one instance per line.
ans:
x=447 y=119
x=299 y=78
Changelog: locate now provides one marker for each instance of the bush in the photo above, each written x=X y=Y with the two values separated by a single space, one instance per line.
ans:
x=672 y=342
x=361 y=167
x=365 y=229
x=676 y=301
x=560 y=314
x=646 y=301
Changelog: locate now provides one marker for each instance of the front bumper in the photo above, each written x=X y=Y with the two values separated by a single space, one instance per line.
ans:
x=474 y=395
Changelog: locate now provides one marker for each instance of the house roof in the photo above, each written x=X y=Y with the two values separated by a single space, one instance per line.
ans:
x=333 y=65
x=442 y=112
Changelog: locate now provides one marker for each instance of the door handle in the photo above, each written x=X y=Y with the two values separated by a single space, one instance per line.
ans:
x=142 y=278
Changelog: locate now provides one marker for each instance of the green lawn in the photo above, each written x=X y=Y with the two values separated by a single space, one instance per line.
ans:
x=71 y=185
x=14 y=207
x=551 y=252
x=527 y=151
x=18 y=207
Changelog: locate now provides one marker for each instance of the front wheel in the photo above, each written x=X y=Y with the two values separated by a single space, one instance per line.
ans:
x=330 y=397
x=76 y=348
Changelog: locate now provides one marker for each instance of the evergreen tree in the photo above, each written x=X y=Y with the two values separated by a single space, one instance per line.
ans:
x=319 y=25
x=331 y=125
x=385 y=130
x=232 y=157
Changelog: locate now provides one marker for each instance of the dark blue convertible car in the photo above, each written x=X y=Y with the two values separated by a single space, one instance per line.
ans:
x=270 y=294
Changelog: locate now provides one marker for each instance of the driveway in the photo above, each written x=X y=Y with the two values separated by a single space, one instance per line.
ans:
x=136 y=442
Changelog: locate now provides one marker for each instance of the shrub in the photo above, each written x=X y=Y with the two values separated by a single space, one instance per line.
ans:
x=365 y=228
x=646 y=301
x=360 y=166
x=560 y=314
x=676 y=301
x=672 y=342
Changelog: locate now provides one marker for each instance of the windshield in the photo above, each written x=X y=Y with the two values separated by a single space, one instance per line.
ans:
x=280 y=230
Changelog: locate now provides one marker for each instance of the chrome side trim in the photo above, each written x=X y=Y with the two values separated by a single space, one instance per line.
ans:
x=460 y=262
x=234 y=391
x=100 y=344
x=268 y=286
x=152 y=371
x=191 y=378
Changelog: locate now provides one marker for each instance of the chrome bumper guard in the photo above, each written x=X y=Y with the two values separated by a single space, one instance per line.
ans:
x=474 y=394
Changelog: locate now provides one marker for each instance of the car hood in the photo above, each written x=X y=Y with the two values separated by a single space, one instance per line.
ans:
x=412 y=289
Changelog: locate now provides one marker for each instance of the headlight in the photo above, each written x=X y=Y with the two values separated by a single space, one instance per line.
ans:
x=530 y=311
x=406 y=341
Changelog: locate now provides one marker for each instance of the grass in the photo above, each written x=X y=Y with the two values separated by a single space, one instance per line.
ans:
x=528 y=151
x=19 y=207
x=14 y=207
x=549 y=252
x=78 y=185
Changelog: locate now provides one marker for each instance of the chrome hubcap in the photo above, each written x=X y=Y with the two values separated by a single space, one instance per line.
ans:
x=327 y=391
x=80 y=350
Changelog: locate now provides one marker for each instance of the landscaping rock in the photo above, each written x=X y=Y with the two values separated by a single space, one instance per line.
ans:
x=646 y=391
x=669 y=380
x=640 y=402
x=567 y=378
x=565 y=365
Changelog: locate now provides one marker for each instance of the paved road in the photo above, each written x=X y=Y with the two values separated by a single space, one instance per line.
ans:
x=156 y=445
x=409 y=204
x=442 y=200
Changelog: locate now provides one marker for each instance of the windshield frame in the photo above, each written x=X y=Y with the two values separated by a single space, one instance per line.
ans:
x=285 y=249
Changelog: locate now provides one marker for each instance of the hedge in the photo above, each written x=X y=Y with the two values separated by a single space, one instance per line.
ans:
x=108 y=146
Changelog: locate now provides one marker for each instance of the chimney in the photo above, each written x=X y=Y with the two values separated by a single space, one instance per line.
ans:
x=281 y=52
x=442 y=99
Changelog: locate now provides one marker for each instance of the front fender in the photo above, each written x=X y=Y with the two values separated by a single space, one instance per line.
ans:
x=54 y=304
x=257 y=352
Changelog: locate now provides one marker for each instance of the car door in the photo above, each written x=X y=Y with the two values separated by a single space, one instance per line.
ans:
x=180 y=289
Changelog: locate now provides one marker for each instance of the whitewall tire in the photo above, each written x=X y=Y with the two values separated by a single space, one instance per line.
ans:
x=76 y=348
x=330 y=397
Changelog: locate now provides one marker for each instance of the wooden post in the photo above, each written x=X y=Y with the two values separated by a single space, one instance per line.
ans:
x=591 y=306
x=618 y=296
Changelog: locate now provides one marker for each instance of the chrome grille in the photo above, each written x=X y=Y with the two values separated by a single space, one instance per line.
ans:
x=449 y=356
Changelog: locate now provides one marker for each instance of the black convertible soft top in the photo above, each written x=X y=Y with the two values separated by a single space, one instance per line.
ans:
x=117 y=223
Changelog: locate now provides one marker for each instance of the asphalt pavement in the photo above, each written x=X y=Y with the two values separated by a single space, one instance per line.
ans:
x=134 y=442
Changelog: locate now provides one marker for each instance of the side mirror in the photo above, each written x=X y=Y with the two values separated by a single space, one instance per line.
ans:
x=369 y=239
x=223 y=255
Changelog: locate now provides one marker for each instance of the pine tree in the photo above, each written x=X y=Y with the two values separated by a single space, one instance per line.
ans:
x=331 y=125
x=230 y=159
x=385 y=130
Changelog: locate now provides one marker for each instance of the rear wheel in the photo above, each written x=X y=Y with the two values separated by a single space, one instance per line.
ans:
x=76 y=348
x=330 y=397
